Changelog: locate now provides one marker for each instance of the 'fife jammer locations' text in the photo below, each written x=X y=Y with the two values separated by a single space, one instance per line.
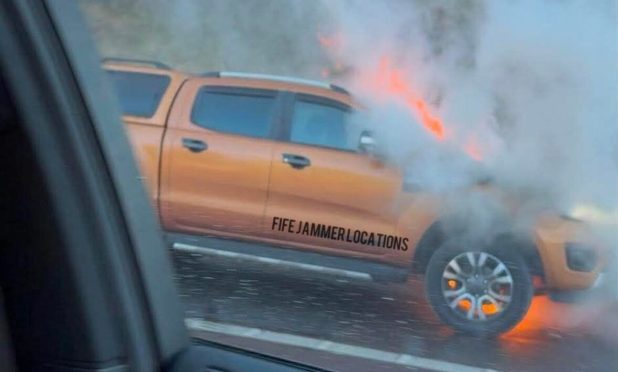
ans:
x=323 y=231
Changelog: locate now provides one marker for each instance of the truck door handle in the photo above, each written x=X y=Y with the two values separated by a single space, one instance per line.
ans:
x=194 y=145
x=296 y=161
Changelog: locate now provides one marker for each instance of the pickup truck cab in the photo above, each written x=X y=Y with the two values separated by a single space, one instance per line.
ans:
x=277 y=161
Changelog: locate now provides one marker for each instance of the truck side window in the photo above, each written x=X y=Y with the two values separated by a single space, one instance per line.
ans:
x=139 y=93
x=246 y=112
x=322 y=124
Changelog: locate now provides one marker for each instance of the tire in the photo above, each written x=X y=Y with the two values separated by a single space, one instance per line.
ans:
x=444 y=287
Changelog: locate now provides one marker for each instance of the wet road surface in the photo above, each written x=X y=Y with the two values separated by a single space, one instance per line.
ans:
x=392 y=318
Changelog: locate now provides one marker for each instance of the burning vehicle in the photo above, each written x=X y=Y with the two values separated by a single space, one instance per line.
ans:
x=286 y=162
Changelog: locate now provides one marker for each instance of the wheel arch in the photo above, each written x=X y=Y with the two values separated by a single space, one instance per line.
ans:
x=435 y=236
x=430 y=241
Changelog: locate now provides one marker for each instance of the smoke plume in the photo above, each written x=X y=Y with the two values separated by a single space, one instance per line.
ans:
x=522 y=92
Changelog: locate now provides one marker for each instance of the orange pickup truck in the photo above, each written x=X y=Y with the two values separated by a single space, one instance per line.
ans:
x=275 y=160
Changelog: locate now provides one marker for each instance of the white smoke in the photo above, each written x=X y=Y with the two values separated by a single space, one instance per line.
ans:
x=534 y=84
x=265 y=36
x=530 y=84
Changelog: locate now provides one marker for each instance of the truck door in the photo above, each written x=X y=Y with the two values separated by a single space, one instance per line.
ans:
x=318 y=176
x=217 y=155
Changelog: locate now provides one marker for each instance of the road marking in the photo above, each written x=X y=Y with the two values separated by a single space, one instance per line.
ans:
x=273 y=261
x=330 y=346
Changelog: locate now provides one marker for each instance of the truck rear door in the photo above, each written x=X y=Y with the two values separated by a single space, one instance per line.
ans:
x=217 y=157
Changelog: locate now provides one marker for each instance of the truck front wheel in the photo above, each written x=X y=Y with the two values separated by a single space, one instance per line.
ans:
x=482 y=292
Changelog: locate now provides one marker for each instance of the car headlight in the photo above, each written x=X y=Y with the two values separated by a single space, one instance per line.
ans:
x=593 y=214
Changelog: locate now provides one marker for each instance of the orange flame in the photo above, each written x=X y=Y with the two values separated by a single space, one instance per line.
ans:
x=331 y=43
x=473 y=150
x=392 y=81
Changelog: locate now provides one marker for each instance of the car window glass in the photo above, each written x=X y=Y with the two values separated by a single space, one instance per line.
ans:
x=248 y=113
x=321 y=124
x=139 y=94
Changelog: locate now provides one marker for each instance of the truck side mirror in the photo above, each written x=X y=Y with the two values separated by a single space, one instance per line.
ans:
x=367 y=143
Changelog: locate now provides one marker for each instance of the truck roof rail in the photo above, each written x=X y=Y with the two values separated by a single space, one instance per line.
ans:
x=285 y=79
x=133 y=61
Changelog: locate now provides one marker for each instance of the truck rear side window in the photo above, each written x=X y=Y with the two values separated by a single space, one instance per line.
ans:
x=139 y=93
x=246 y=112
